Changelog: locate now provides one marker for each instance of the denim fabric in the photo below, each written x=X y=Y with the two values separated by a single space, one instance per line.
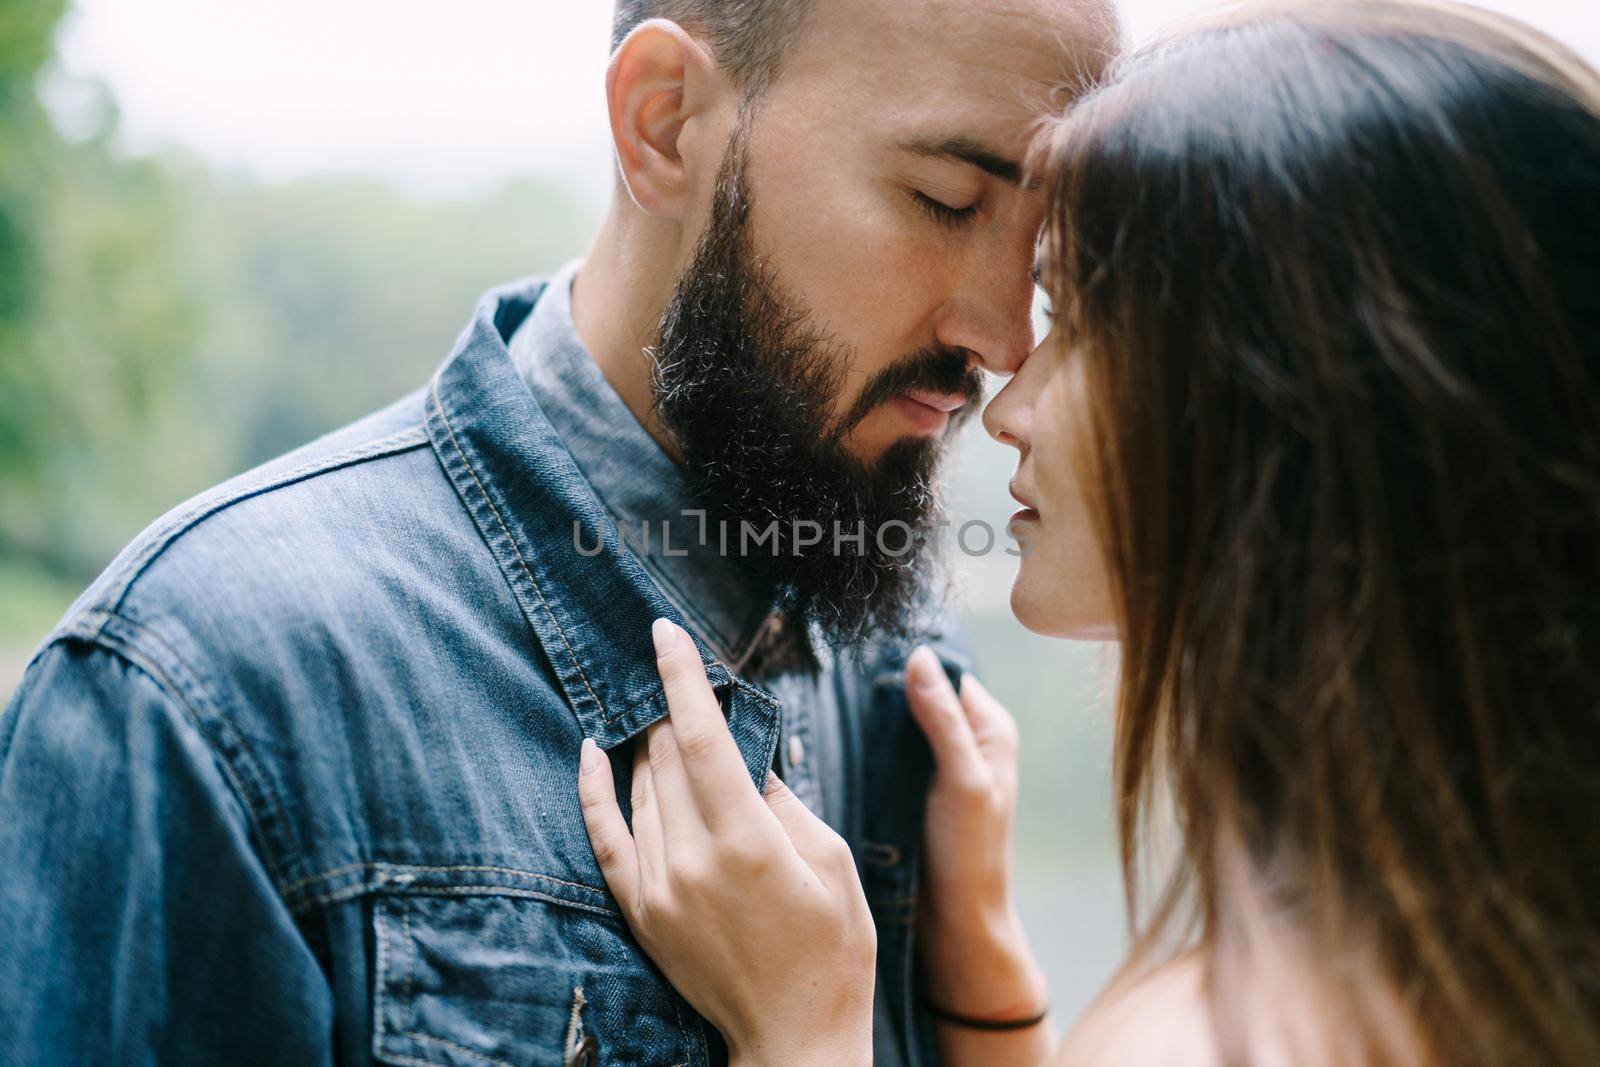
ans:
x=294 y=779
x=637 y=483
x=661 y=524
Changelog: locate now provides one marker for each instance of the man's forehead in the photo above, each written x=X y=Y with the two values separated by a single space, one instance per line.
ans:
x=1031 y=40
x=938 y=69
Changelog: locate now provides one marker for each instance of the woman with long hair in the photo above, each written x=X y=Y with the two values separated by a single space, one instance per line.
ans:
x=1316 y=437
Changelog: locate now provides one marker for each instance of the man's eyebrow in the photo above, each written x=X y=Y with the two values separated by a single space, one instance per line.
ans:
x=966 y=150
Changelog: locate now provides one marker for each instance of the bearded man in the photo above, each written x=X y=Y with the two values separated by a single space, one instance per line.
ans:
x=293 y=781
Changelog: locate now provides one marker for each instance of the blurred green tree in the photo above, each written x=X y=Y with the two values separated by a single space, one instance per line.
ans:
x=163 y=327
x=91 y=320
x=26 y=33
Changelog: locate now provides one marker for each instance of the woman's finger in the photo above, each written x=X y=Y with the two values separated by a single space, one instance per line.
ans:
x=992 y=725
x=678 y=809
x=647 y=830
x=938 y=711
x=614 y=848
x=711 y=760
x=816 y=843
x=798 y=821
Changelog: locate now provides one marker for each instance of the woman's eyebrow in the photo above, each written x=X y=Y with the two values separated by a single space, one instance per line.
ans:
x=968 y=151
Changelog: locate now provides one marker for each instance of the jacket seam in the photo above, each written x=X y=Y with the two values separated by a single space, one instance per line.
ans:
x=677 y=1012
x=734 y=681
x=411 y=438
x=148 y=665
x=736 y=651
x=495 y=1062
x=381 y=934
x=517 y=549
x=379 y=866
x=275 y=829
x=372 y=889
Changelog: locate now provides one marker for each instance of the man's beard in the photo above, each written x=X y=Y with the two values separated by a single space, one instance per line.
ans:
x=746 y=382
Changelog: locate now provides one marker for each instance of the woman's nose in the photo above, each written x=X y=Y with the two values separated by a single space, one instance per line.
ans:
x=1009 y=416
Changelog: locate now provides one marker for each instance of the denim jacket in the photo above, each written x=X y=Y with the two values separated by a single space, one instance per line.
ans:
x=294 y=781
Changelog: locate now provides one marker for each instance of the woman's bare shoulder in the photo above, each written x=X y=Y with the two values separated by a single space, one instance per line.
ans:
x=1159 y=1019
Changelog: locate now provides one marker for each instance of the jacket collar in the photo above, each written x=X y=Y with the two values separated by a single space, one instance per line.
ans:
x=640 y=487
x=587 y=599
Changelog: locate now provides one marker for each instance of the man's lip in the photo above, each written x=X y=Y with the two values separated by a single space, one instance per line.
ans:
x=1020 y=497
x=945 y=402
x=927 y=419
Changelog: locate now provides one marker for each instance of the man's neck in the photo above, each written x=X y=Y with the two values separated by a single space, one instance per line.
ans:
x=617 y=301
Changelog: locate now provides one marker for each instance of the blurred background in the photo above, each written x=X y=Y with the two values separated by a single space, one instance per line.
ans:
x=226 y=228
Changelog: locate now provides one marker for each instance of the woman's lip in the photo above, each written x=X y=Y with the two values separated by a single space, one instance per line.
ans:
x=1019 y=522
x=925 y=417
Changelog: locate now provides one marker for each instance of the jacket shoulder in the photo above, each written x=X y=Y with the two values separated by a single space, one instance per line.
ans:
x=244 y=544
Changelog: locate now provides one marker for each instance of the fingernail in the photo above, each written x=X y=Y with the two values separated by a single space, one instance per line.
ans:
x=665 y=635
x=589 y=758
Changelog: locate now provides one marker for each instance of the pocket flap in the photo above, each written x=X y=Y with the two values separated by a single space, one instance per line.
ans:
x=467 y=976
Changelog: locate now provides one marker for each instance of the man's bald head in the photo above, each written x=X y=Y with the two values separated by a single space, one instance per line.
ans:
x=748 y=37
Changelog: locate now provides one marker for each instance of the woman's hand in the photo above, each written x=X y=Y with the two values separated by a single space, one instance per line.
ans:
x=751 y=906
x=976 y=959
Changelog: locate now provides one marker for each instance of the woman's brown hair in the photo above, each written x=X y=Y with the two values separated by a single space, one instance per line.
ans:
x=1335 y=273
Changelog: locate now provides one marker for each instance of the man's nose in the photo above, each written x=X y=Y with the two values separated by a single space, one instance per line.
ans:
x=991 y=315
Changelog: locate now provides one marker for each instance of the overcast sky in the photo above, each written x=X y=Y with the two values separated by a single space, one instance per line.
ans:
x=439 y=98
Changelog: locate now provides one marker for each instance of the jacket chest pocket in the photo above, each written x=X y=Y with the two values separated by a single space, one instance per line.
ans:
x=472 y=977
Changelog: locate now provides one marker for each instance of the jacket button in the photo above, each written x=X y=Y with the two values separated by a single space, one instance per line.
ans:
x=586 y=1053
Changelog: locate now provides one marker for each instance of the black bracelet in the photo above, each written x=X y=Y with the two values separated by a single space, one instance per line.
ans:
x=990 y=1025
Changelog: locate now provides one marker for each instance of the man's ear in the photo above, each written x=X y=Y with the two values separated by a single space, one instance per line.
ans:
x=661 y=80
